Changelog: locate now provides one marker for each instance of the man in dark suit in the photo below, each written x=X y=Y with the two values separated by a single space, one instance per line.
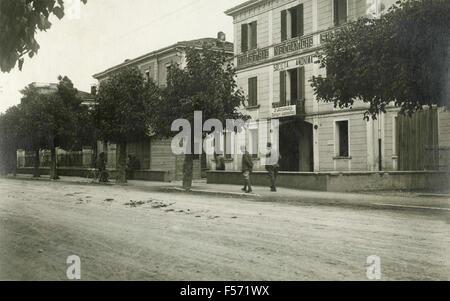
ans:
x=247 y=168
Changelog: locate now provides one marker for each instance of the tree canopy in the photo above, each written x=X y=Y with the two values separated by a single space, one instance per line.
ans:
x=206 y=84
x=19 y=22
x=123 y=110
x=401 y=58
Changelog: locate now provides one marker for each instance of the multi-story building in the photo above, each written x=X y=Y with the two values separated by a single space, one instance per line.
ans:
x=155 y=155
x=275 y=45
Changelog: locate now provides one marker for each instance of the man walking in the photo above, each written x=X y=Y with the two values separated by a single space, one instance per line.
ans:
x=247 y=167
x=272 y=169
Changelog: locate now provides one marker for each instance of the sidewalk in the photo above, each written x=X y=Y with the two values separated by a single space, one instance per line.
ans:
x=383 y=199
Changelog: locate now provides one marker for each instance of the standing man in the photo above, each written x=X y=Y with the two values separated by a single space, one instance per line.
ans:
x=101 y=165
x=272 y=169
x=247 y=168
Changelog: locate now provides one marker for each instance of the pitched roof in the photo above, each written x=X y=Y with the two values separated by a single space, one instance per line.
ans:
x=241 y=6
x=198 y=43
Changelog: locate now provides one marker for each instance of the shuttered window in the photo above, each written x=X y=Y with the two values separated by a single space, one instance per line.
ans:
x=300 y=21
x=342 y=139
x=253 y=92
x=283 y=25
x=301 y=83
x=254 y=35
x=340 y=12
x=249 y=36
x=282 y=88
x=244 y=37
x=296 y=26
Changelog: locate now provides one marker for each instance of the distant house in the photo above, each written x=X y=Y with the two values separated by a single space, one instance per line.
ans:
x=155 y=155
x=74 y=158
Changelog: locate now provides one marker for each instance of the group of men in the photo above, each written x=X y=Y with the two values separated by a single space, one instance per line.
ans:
x=247 y=168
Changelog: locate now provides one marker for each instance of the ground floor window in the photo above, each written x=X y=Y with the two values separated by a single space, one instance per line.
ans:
x=342 y=145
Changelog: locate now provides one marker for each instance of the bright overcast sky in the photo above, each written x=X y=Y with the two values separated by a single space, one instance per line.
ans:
x=110 y=31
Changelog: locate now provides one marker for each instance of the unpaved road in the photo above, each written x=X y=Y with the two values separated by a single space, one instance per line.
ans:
x=178 y=236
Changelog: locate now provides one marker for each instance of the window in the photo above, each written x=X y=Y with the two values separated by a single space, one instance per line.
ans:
x=292 y=86
x=253 y=92
x=342 y=138
x=253 y=150
x=147 y=74
x=340 y=12
x=249 y=36
x=292 y=23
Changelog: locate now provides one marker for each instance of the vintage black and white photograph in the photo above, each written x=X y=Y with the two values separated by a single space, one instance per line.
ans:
x=224 y=140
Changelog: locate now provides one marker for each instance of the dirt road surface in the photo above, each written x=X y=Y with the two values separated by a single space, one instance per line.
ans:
x=126 y=233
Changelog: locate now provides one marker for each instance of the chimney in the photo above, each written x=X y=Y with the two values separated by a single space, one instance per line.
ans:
x=221 y=36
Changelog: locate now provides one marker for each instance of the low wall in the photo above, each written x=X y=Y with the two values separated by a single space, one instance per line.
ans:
x=342 y=182
x=144 y=175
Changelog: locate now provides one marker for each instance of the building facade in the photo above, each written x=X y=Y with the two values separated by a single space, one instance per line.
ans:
x=275 y=46
x=153 y=154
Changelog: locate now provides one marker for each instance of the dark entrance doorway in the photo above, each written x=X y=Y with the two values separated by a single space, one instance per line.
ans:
x=296 y=146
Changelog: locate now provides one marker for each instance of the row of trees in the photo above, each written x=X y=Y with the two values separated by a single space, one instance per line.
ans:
x=45 y=121
x=128 y=108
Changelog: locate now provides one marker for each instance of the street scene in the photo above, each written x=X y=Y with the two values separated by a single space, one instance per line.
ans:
x=148 y=231
x=225 y=140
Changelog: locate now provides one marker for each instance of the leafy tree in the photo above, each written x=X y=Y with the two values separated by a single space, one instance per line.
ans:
x=9 y=139
x=123 y=111
x=402 y=58
x=207 y=84
x=19 y=21
x=32 y=125
x=51 y=120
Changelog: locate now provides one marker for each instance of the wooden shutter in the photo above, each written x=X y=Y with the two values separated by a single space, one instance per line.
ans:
x=283 y=25
x=283 y=88
x=244 y=37
x=301 y=90
x=342 y=11
x=254 y=41
x=335 y=12
x=300 y=20
x=253 y=92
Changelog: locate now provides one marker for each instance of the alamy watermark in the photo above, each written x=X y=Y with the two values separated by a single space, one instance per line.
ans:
x=374 y=269
x=209 y=135
x=73 y=272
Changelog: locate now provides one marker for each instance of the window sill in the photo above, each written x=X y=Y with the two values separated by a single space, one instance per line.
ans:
x=342 y=158
x=253 y=107
x=228 y=160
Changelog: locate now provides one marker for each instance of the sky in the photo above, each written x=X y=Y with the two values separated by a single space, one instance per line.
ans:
x=106 y=32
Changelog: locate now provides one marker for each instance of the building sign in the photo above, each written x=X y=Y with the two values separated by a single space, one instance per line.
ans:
x=305 y=60
x=293 y=45
x=281 y=66
x=301 y=61
x=324 y=37
x=253 y=56
x=284 y=111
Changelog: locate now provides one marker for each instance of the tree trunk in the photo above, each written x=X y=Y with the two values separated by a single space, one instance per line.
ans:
x=53 y=168
x=187 y=171
x=37 y=164
x=14 y=162
x=122 y=164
